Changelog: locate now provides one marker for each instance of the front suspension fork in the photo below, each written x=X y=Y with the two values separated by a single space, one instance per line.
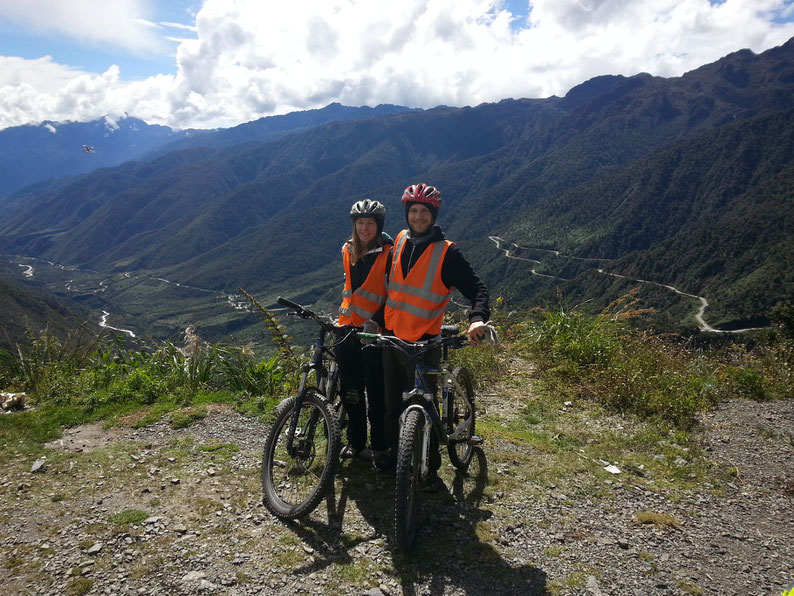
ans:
x=427 y=430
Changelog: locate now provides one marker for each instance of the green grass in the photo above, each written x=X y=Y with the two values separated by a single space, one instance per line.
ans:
x=598 y=357
x=690 y=587
x=186 y=417
x=655 y=518
x=79 y=586
x=218 y=453
x=129 y=517
x=34 y=427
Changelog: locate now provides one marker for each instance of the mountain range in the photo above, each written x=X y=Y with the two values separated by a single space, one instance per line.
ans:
x=33 y=154
x=682 y=182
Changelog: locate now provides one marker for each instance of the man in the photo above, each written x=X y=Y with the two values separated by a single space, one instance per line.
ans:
x=423 y=270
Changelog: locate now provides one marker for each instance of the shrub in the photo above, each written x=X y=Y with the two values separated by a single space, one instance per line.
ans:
x=746 y=382
x=241 y=372
x=624 y=370
x=574 y=336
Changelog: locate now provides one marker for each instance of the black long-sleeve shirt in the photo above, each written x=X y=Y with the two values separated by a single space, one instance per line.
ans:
x=456 y=272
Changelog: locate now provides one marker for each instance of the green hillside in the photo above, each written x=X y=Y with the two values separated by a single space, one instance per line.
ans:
x=26 y=310
x=711 y=215
x=679 y=181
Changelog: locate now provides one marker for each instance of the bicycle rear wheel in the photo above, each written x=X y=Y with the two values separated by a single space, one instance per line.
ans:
x=408 y=477
x=293 y=484
x=462 y=419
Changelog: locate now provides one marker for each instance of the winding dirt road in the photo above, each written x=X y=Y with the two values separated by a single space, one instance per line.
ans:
x=702 y=324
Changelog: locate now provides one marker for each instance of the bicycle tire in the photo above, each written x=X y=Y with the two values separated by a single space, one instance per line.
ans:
x=333 y=394
x=407 y=479
x=341 y=412
x=293 y=485
x=461 y=453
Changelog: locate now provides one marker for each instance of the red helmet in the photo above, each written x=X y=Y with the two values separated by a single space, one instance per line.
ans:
x=422 y=193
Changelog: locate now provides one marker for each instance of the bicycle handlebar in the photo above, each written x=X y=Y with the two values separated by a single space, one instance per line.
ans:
x=324 y=321
x=289 y=303
x=378 y=340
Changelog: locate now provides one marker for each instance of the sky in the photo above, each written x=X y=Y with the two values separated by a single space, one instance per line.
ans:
x=219 y=63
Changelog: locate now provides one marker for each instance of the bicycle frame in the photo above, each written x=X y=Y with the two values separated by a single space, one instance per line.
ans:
x=326 y=379
x=321 y=377
x=422 y=399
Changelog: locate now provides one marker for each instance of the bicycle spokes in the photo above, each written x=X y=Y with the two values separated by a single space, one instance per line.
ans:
x=298 y=466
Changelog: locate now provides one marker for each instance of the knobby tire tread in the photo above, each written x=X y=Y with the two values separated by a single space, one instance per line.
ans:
x=406 y=492
x=327 y=431
x=462 y=460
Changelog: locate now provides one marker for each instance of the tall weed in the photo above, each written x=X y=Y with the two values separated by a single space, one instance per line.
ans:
x=242 y=372
x=598 y=357
x=46 y=363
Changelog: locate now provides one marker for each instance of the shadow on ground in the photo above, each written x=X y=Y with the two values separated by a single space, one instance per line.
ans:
x=454 y=549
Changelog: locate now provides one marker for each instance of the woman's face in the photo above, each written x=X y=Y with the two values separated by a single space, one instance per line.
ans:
x=366 y=228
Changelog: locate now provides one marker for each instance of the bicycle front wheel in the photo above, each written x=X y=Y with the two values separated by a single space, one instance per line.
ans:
x=295 y=480
x=461 y=419
x=408 y=477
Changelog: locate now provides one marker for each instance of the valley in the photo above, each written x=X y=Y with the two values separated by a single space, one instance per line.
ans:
x=673 y=182
x=139 y=304
x=123 y=296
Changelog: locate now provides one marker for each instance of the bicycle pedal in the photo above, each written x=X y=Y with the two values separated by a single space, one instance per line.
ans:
x=475 y=440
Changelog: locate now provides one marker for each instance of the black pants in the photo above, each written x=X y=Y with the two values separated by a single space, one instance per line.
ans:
x=398 y=376
x=361 y=370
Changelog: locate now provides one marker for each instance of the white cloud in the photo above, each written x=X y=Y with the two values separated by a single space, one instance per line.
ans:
x=259 y=57
x=181 y=26
x=42 y=73
x=121 y=23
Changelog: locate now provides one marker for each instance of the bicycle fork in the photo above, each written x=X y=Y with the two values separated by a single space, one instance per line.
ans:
x=304 y=446
x=427 y=428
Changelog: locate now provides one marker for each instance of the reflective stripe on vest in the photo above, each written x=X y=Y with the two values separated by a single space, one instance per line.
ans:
x=361 y=304
x=416 y=304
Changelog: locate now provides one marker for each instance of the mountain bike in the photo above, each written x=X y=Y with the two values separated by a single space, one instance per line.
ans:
x=451 y=419
x=302 y=446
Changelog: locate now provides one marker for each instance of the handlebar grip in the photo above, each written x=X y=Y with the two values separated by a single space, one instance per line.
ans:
x=289 y=303
x=362 y=335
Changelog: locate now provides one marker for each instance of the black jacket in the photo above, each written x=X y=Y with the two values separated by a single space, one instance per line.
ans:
x=456 y=272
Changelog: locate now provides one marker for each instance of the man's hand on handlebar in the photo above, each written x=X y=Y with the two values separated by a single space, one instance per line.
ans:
x=476 y=332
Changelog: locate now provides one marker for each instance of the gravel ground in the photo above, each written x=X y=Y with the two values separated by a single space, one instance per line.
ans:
x=494 y=531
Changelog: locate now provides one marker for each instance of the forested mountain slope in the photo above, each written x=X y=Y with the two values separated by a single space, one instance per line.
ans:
x=712 y=215
x=651 y=173
x=27 y=310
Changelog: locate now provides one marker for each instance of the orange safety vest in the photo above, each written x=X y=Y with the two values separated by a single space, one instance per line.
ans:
x=362 y=304
x=416 y=304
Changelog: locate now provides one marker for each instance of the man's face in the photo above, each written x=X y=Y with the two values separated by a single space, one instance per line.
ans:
x=419 y=219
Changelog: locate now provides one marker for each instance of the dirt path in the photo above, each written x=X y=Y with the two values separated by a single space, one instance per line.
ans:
x=201 y=529
x=703 y=325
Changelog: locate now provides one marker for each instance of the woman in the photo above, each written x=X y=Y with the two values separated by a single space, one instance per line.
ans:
x=364 y=259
